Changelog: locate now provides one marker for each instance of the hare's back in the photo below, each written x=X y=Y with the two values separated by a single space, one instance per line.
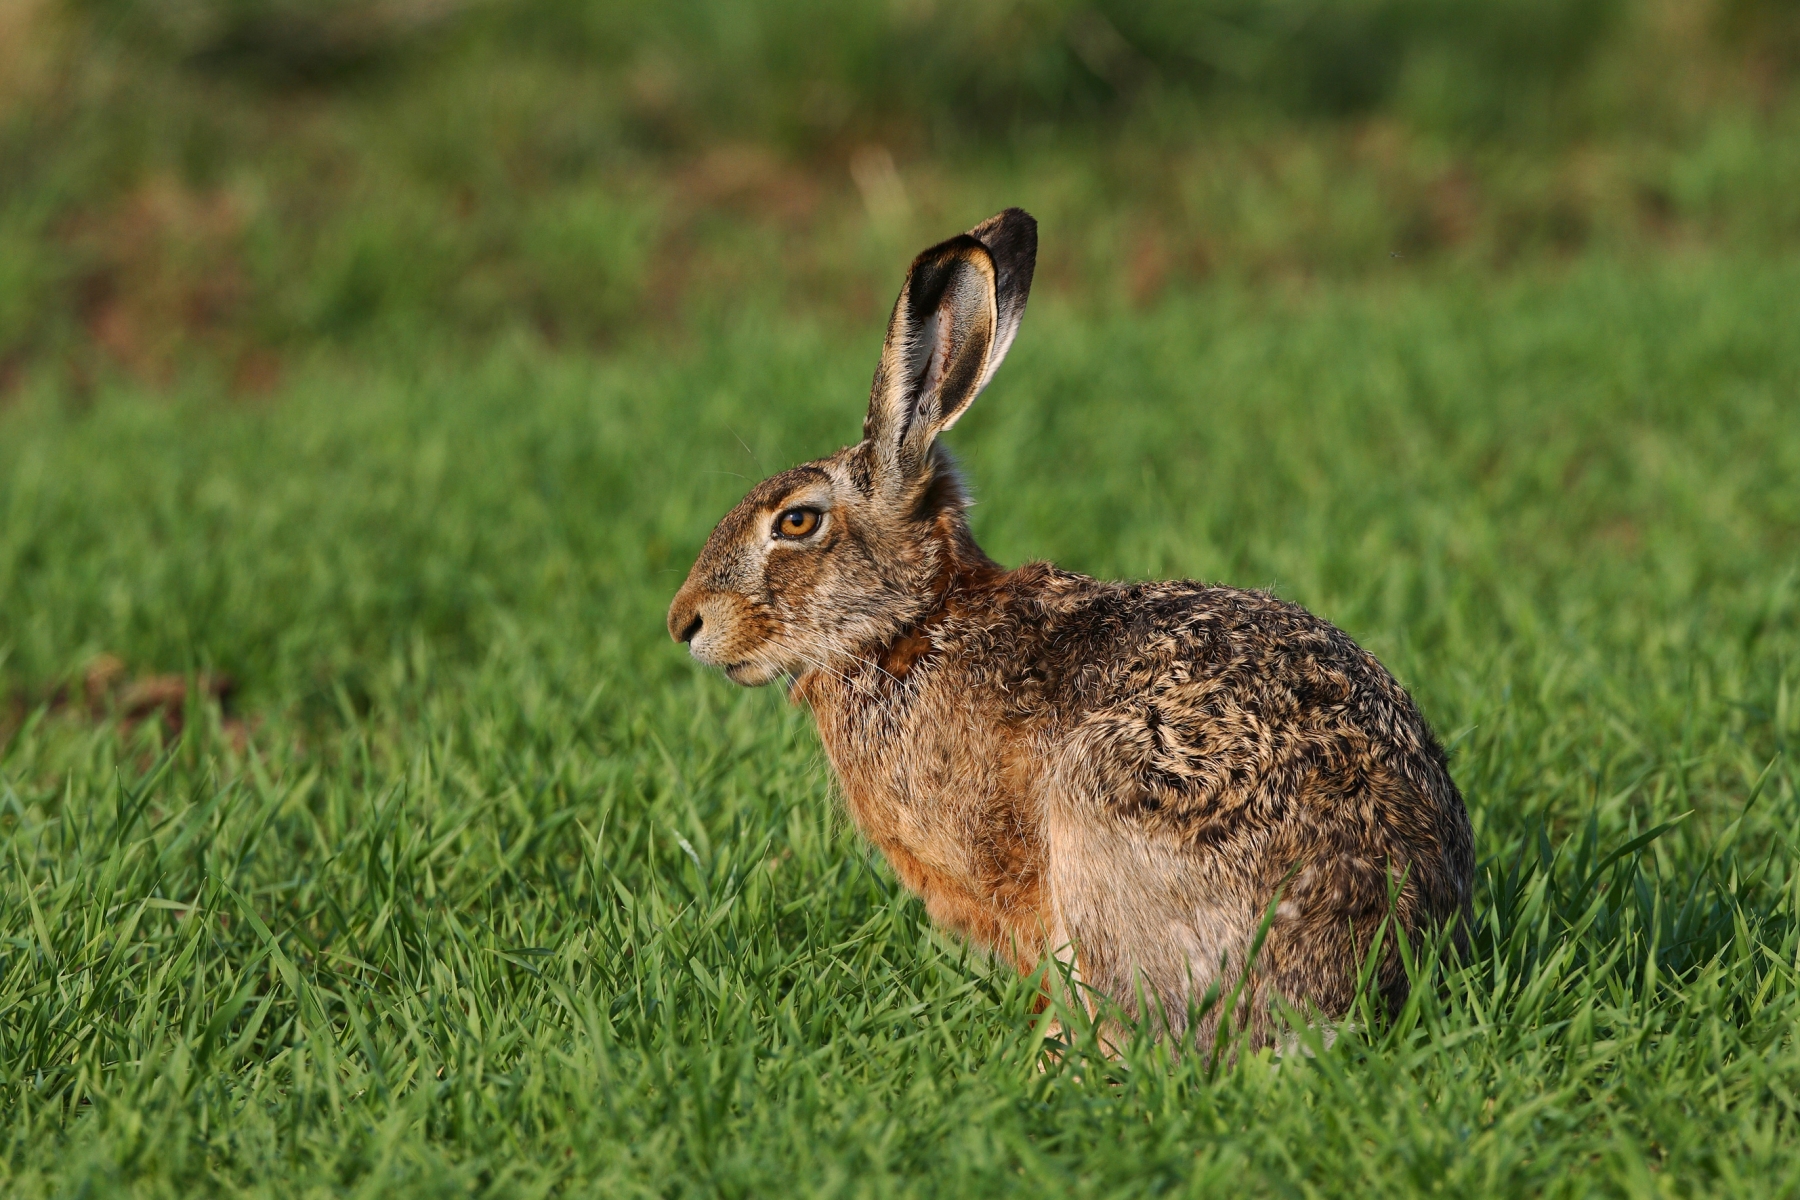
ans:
x=1234 y=720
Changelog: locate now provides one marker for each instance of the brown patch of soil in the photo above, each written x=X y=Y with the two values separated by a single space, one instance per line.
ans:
x=108 y=690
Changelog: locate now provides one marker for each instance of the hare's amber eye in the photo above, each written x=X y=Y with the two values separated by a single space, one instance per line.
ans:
x=797 y=522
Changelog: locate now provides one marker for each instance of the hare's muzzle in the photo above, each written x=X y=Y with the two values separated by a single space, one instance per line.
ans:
x=684 y=616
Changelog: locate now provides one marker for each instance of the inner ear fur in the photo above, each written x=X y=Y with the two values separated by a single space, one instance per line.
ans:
x=1011 y=240
x=935 y=354
x=953 y=322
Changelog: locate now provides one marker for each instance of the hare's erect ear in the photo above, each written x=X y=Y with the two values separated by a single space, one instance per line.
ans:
x=954 y=321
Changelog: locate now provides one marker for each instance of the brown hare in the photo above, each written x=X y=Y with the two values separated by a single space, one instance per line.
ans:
x=1137 y=777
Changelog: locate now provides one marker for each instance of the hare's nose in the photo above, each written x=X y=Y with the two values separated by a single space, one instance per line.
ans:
x=684 y=617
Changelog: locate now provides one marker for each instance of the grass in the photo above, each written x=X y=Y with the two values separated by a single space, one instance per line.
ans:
x=479 y=888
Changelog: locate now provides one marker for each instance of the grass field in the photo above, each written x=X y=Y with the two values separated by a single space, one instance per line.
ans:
x=475 y=886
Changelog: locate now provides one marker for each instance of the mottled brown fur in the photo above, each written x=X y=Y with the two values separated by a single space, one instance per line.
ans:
x=1128 y=775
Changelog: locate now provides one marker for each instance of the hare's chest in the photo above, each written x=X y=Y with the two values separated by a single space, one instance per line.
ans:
x=951 y=797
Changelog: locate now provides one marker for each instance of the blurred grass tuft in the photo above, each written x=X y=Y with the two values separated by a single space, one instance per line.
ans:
x=225 y=181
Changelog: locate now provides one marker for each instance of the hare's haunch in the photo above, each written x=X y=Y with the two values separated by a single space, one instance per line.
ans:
x=1130 y=776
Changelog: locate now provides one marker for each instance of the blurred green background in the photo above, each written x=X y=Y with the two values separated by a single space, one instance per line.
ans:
x=224 y=184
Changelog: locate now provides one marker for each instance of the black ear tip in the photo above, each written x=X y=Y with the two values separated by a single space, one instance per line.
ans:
x=1011 y=238
x=1008 y=233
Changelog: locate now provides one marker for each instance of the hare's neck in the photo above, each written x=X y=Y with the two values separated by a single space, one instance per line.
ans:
x=964 y=572
x=962 y=576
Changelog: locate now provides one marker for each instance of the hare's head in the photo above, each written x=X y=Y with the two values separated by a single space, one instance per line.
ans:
x=842 y=554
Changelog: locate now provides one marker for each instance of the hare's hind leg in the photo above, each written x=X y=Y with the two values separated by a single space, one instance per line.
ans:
x=1153 y=925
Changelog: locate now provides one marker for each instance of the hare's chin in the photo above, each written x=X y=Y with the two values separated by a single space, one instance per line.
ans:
x=750 y=674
